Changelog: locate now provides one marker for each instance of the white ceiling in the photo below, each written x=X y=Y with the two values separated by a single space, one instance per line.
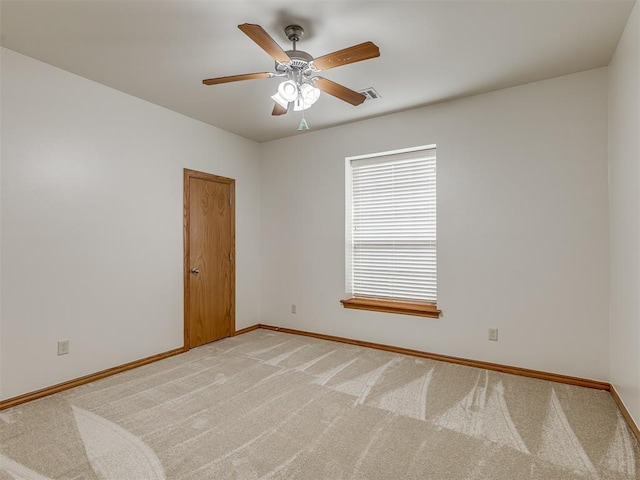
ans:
x=431 y=51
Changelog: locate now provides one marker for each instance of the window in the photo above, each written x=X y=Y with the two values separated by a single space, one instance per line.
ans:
x=391 y=232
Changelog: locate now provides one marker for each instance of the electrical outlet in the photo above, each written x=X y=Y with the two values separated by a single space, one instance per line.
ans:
x=63 y=347
x=493 y=334
x=293 y=308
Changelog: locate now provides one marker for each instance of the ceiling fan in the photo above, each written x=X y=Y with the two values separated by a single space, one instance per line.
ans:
x=301 y=85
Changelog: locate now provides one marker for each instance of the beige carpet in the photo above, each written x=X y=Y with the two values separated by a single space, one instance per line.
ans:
x=268 y=405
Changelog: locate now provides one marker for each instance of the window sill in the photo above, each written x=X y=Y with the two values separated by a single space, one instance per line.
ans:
x=393 y=306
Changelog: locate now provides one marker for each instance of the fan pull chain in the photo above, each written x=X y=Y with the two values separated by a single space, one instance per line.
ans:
x=303 y=123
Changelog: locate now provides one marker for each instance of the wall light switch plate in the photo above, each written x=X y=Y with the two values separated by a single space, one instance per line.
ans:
x=493 y=334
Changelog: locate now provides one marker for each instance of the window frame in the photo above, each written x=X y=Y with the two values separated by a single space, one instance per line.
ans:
x=388 y=305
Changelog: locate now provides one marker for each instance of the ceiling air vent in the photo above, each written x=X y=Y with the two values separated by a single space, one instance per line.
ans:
x=370 y=93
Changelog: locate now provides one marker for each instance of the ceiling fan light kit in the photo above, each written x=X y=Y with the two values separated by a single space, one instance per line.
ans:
x=301 y=85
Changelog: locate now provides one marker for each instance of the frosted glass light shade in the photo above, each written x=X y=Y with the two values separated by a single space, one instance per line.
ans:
x=279 y=100
x=288 y=90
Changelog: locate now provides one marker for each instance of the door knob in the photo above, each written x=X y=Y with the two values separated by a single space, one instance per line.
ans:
x=195 y=271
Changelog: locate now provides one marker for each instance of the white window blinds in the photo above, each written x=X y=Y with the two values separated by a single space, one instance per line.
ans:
x=393 y=226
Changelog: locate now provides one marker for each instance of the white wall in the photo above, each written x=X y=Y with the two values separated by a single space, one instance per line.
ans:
x=92 y=223
x=624 y=213
x=522 y=227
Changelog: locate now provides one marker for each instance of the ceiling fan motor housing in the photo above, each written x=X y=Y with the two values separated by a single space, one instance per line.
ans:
x=299 y=61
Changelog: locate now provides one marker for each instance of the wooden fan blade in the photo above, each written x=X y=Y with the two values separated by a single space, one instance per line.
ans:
x=279 y=109
x=357 y=53
x=339 y=91
x=264 y=41
x=236 y=78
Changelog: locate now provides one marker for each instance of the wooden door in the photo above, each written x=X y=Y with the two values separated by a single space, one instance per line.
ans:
x=209 y=270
